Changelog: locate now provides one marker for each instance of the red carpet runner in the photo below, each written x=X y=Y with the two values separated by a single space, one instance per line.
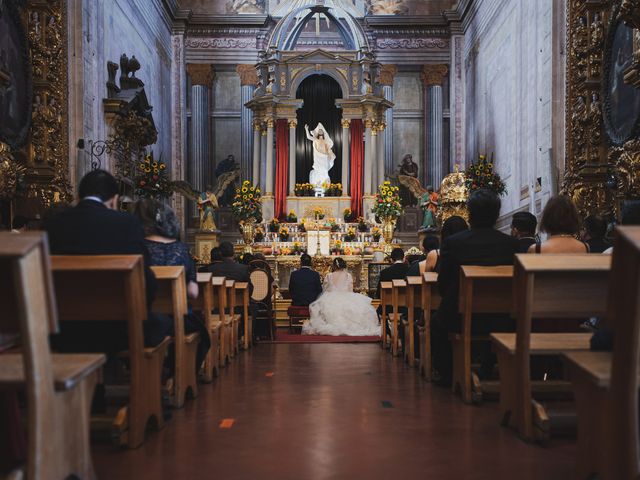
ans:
x=282 y=337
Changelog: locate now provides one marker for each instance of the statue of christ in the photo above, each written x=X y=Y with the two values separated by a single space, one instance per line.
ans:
x=323 y=156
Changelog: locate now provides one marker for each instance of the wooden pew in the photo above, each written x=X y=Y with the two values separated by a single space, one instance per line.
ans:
x=385 y=300
x=171 y=299
x=232 y=319
x=429 y=301
x=219 y=319
x=58 y=387
x=242 y=300
x=77 y=281
x=606 y=383
x=204 y=305
x=545 y=286
x=414 y=300
x=482 y=290
x=399 y=298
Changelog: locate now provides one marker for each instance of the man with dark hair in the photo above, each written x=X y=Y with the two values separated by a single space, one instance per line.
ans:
x=595 y=230
x=398 y=269
x=523 y=227
x=481 y=245
x=96 y=227
x=304 y=284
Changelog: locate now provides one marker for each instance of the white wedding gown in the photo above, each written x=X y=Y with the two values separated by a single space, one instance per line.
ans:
x=340 y=311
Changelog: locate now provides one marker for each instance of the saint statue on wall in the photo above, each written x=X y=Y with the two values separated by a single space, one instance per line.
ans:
x=408 y=168
x=323 y=156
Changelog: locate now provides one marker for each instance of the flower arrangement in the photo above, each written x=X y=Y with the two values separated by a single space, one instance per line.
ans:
x=347 y=215
x=337 y=248
x=481 y=175
x=284 y=234
x=259 y=235
x=302 y=227
x=350 y=236
x=376 y=233
x=318 y=213
x=303 y=189
x=362 y=225
x=292 y=217
x=333 y=225
x=247 y=204
x=152 y=179
x=274 y=225
x=335 y=190
x=387 y=203
x=297 y=248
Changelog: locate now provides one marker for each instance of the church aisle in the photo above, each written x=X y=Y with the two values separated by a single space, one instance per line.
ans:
x=331 y=411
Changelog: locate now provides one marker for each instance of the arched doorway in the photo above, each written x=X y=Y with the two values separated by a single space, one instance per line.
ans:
x=319 y=93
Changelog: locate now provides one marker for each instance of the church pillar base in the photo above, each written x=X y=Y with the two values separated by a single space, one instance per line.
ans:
x=268 y=207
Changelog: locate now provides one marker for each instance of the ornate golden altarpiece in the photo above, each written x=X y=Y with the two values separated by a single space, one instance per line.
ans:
x=601 y=169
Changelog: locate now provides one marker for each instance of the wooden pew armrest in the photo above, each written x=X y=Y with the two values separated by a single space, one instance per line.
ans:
x=595 y=365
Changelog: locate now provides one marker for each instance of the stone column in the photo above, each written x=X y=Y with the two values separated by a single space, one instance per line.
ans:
x=202 y=76
x=255 y=170
x=432 y=77
x=456 y=103
x=367 y=167
x=269 y=166
x=382 y=141
x=292 y=155
x=346 y=157
x=373 y=159
x=248 y=81
x=263 y=158
x=387 y=76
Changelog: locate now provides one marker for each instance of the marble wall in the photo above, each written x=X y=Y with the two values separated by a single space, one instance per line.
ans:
x=408 y=119
x=509 y=70
x=109 y=29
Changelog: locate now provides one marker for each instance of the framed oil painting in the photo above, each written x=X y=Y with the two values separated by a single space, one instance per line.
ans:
x=621 y=100
x=15 y=77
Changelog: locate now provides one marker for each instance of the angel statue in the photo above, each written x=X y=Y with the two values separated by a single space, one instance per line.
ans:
x=323 y=156
x=207 y=203
x=429 y=200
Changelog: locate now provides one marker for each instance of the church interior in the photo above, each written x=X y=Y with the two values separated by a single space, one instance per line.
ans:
x=319 y=239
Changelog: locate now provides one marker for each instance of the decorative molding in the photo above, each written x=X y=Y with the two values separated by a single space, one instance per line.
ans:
x=293 y=123
x=434 y=74
x=201 y=74
x=223 y=43
x=346 y=122
x=387 y=74
x=411 y=43
x=248 y=74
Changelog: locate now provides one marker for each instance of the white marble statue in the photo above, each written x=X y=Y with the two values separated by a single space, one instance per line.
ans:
x=323 y=156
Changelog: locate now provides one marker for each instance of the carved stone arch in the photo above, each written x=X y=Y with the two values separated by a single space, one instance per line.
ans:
x=334 y=73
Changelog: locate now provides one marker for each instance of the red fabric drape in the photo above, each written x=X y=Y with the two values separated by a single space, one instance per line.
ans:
x=357 y=161
x=282 y=169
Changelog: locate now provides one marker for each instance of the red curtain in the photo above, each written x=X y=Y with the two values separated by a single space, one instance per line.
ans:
x=282 y=168
x=357 y=161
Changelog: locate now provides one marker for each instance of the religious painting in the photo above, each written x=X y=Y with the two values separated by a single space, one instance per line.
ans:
x=245 y=6
x=622 y=100
x=15 y=78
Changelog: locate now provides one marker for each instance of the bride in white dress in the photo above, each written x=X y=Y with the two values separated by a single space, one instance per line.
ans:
x=340 y=311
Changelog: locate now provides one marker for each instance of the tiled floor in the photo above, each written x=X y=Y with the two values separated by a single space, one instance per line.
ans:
x=331 y=411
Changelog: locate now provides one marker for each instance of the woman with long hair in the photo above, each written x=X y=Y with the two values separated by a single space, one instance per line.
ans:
x=340 y=311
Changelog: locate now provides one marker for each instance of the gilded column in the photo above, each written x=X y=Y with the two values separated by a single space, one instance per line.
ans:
x=202 y=76
x=346 y=157
x=269 y=166
x=255 y=170
x=367 y=167
x=433 y=76
x=248 y=80
x=292 y=155
x=263 y=158
x=387 y=76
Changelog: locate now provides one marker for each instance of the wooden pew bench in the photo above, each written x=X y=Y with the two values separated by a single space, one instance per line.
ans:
x=606 y=383
x=242 y=302
x=59 y=387
x=232 y=319
x=430 y=301
x=122 y=297
x=482 y=290
x=204 y=305
x=385 y=302
x=545 y=286
x=171 y=299
x=398 y=301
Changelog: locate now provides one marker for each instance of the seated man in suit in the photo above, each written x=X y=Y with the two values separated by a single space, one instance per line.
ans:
x=481 y=245
x=523 y=227
x=232 y=270
x=304 y=284
x=96 y=227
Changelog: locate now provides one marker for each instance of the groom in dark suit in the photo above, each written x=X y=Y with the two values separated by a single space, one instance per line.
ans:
x=304 y=284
